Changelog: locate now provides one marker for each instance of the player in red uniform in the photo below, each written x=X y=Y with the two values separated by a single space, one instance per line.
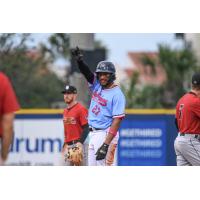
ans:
x=75 y=122
x=8 y=105
x=187 y=143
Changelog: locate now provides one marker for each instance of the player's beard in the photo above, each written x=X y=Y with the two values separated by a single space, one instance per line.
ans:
x=69 y=100
x=106 y=81
x=106 y=84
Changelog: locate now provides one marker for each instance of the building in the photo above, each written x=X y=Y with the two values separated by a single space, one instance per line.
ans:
x=147 y=75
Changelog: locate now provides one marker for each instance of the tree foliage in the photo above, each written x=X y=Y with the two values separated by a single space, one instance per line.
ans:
x=57 y=47
x=179 y=66
x=27 y=67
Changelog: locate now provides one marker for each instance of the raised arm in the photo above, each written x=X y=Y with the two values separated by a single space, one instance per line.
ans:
x=83 y=67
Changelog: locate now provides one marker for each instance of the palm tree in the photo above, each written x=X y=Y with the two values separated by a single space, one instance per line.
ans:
x=179 y=66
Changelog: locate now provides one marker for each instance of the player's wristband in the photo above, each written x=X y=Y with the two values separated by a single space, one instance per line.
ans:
x=112 y=131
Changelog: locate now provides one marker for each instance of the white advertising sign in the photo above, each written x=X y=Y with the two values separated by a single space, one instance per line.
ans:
x=37 y=142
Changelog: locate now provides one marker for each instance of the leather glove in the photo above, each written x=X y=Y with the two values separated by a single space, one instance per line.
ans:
x=102 y=151
x=75 y=154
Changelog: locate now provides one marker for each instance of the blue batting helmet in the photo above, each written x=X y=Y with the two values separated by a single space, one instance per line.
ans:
x=107 y=67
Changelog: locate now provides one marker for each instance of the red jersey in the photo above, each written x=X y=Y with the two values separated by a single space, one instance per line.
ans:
x=8 y=100
x=74 y=118
x=188 y=114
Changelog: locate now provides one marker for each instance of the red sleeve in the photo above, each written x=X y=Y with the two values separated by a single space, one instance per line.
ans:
x=195 y=107
x=83 y=116
x=10 y=103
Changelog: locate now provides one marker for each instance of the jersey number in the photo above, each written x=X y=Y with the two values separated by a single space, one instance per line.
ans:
x=181 y=111
x=96 y=110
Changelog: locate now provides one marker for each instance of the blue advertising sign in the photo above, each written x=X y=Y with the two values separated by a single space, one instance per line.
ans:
x=146 y=138
x=142 y=142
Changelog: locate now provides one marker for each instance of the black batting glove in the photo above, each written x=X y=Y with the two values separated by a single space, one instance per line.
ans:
x=102 y=151
x=76 y=53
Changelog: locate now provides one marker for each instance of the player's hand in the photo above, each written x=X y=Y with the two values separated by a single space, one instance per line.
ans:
x=64 y=148
x=65 y=151
x=102 y=151
x=76 y=53
x=80 y=145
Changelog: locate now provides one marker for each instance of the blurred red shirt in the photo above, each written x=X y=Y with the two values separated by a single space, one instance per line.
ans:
x=188 y=114
x=8 y=100
x=74 y=118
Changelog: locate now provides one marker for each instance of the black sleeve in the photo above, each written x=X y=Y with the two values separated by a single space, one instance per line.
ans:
x=86 y=71
x=84 y=133
x=175 y=121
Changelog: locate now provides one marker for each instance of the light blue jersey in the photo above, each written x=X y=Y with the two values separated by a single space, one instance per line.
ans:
x=105 y=105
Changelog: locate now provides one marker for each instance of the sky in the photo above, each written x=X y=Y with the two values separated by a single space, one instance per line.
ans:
x=119 y=44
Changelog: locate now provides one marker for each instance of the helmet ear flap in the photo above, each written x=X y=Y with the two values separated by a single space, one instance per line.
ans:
x=112 y=78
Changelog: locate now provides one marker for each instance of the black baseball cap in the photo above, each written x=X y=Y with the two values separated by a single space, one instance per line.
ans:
x=69 y=89
x=196 y=79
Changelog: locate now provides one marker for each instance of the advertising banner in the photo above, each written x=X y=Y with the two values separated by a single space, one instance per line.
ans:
x=145 y=140
x=37 y=141
x=142 y=142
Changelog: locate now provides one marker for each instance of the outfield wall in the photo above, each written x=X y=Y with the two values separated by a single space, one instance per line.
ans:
x=147 y=138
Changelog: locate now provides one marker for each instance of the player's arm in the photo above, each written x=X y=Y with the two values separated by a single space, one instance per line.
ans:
x=84 y=133
x=84 y=123
x=10 y=105
x=83 y=67
x=102 y=151
x=113 y=130
x=118 y=115
x=7 y=124
x=176 y=124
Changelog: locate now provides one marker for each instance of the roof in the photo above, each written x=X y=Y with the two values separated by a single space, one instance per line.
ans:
x=146 y=75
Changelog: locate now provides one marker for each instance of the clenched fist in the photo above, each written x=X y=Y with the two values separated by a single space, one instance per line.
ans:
x=76 y=53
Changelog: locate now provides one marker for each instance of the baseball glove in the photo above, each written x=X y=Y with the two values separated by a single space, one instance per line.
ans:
x=75 y=154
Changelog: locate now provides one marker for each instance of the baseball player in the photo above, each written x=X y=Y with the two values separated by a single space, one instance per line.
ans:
x=8 y=105
x=75 y=124
x=105 y=112
x=187 y=143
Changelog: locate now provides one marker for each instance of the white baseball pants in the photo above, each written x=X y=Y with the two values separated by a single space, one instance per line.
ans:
x=187 y=150
x=96 y=139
